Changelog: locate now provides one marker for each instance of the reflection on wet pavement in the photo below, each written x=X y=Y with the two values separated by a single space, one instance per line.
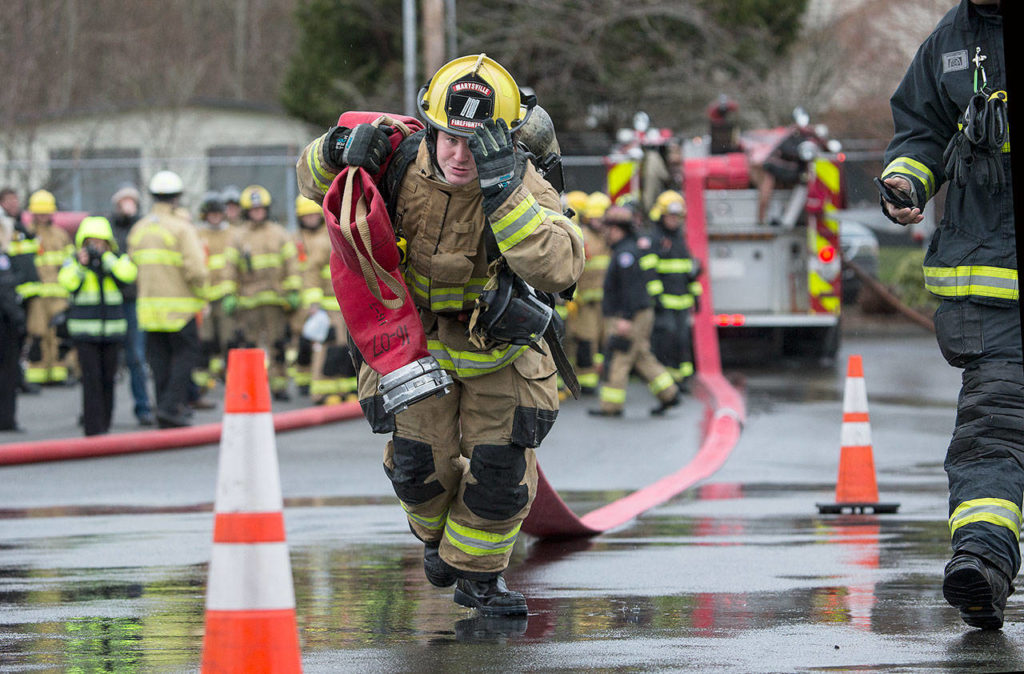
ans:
x=367 y=606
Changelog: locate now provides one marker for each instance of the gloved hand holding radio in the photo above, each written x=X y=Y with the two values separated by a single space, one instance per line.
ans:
x=499 y=168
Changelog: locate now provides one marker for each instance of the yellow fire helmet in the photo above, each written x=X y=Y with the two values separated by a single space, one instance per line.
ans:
x=662 y=203
x=42 y=202
x=468 y=91
x=304 y=206
x=576 y=200
x=597 y=204
x=254 y=196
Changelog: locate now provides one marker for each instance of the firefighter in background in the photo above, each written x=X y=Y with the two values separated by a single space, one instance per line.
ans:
x=231 y=196
x=629 y=317
x=22 y=254
x=322 y=345
x=463 y=465
x=725 y=135
x=311 y=240
x=218 y=326
x=672 y=340
x=585 y=326
x=171 y=284
x=268 y=280
x=95 y=277
x=12 y=333
x=47 y=353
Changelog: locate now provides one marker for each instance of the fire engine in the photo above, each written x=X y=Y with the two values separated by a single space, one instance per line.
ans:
x=773 y=284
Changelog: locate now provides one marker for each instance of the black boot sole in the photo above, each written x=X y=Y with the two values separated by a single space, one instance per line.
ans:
x=968 y=590
x=463 y=599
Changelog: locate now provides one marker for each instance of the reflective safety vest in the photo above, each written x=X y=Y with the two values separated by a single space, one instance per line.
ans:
x=96 y=313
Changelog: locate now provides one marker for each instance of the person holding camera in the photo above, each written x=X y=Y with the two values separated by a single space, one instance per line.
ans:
x=95 y=276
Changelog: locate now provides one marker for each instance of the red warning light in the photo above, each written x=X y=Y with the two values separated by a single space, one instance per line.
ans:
x=827 y=254
x=730 y=320
x=841 y=156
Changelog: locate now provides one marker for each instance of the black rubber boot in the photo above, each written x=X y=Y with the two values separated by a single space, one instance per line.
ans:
x=977 y=589
x=666 y=405
x=605 y=413
x=490 y=597
x=437 y=571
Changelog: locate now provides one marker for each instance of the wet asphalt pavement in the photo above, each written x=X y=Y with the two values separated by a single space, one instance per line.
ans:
x=103 y=561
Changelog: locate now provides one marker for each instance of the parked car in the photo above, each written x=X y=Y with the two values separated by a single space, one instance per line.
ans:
x=860 y=246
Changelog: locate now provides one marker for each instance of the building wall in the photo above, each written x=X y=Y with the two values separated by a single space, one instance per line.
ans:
x=83 y=160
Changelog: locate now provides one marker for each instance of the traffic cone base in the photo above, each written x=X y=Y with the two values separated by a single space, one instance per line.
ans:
x=252 y=641
x=856 y=487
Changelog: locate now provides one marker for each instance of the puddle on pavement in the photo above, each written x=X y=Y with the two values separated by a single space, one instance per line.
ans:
x=374 y=596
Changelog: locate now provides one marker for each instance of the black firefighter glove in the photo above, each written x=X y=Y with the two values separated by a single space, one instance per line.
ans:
x=499 y=168
x=365 y=146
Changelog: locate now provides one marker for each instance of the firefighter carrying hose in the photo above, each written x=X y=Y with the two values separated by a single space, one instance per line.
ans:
x=629 y=318
x=478 y=221
x=950 y=118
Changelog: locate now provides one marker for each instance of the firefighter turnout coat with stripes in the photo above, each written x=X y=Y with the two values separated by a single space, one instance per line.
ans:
x=172 y=270
x=463 y=465
x=972 y=254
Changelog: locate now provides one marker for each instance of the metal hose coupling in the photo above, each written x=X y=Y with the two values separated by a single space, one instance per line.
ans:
x=412 y=383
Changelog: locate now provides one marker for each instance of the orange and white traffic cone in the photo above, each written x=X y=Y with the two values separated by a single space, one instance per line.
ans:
x=856 y=488
x=250 y=600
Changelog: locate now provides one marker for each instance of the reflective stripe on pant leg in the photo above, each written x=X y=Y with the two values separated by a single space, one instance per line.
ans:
x=985 y=464
x=500 y=413
x=424 y=462
x=478 y=542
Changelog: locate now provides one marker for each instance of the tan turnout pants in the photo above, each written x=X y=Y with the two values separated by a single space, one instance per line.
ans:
x=463 y=465
x=638 y=356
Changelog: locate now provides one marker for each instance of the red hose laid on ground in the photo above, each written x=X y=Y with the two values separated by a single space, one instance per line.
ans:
x=549 y=516
x=172 y=438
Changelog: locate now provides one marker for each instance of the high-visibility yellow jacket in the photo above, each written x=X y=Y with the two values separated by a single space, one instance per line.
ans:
x=172 y=272
x=221 y=260
x=97 y=306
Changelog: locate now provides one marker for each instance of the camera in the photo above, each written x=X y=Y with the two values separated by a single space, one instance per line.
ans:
x=95 y=255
